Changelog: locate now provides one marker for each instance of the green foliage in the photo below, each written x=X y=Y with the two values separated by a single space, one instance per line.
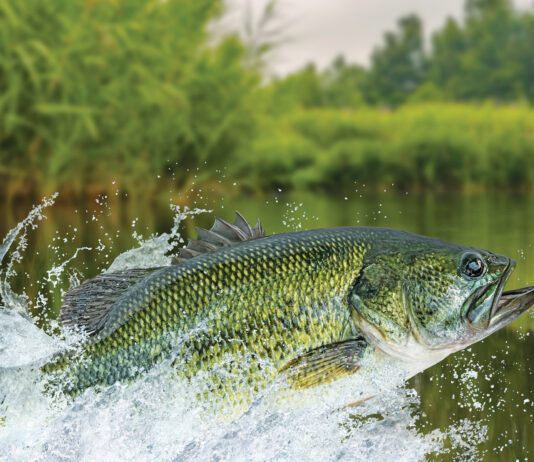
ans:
x=488 y=56
x=428 y=92
x=118 y=88
x=339 y=86
x=343 y=84
x=482 y=59
x=397 y=68
x=303 y=89
x=431 y=146
x=135 y=91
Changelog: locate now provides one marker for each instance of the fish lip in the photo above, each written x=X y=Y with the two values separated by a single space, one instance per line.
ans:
x=482 y=291
x=498 y=292
x=511 y=305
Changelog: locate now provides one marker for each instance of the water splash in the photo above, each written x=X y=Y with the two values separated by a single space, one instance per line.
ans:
x=159 y=417
x=18 y=302
x=154 y=251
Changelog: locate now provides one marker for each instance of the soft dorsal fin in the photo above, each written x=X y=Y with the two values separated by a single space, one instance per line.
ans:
x=325 y=364
x=88 y=305
x=221 y=234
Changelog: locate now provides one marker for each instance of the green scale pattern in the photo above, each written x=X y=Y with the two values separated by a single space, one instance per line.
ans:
x=275 y=297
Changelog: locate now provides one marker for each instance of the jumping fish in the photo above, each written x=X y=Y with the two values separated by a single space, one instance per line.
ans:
x=310 y=303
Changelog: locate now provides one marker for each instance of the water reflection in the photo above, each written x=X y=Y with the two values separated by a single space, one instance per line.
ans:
x=490 y=383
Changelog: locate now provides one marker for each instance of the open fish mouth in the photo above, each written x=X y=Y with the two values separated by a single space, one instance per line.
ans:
x=505 y=307
x=510 y=305
x=478 y=315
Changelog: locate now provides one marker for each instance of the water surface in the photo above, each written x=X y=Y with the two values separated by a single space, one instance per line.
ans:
x=476 y=405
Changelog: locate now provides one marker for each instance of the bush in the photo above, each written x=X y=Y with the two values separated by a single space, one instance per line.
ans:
x=443 y=146
x=92 y=91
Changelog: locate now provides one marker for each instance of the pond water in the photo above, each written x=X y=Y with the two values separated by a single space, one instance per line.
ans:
x=476 y=405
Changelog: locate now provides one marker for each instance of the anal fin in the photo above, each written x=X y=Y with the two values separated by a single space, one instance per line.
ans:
x=325 y=364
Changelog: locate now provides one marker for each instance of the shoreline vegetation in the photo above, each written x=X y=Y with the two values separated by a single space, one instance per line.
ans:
x=136 y=95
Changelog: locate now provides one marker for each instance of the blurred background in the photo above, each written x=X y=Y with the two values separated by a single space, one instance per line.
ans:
x=413 y=114
x=299 y=95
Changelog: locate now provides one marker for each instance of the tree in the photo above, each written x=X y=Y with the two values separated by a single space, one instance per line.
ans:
x=398 y=66
x=525 y=53
x=477 y=8
x=481 y=59
x=448 y=45
x=343 y=84
x=303 y=88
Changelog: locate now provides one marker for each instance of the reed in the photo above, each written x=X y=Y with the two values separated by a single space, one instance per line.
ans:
x=97 y=94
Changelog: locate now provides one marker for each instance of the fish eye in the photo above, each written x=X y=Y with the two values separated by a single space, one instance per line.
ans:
x=472 y=266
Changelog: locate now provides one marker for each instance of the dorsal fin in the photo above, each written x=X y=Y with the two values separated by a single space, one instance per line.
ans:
x=88 y=305
x=221 y=234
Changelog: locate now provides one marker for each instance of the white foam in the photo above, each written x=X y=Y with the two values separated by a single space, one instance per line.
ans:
x=159 y=417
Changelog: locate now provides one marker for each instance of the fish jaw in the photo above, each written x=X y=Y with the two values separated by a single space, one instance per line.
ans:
x=510 y=306
x=478 y=315
x=506 y=307
x=415 y=355
x=418 y=354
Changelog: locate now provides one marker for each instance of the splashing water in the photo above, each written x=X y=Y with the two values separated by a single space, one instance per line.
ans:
x=159 y=417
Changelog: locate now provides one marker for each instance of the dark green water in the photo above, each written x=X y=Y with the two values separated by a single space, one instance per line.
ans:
x=492 y=382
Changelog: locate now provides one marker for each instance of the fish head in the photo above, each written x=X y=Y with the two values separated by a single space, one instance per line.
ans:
x=425 y=299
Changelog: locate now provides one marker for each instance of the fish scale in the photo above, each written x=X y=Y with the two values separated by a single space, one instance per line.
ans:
x=287 y=290
x=238 y=308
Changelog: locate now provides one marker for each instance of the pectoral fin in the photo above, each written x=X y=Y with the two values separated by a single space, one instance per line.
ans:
x=325 y=364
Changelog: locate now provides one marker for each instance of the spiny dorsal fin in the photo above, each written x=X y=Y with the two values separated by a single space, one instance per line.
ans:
x=325 y=364
x=88 y=305
x=221 y=234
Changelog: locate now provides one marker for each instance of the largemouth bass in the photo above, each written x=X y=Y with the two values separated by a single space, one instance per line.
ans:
x=311 y=304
